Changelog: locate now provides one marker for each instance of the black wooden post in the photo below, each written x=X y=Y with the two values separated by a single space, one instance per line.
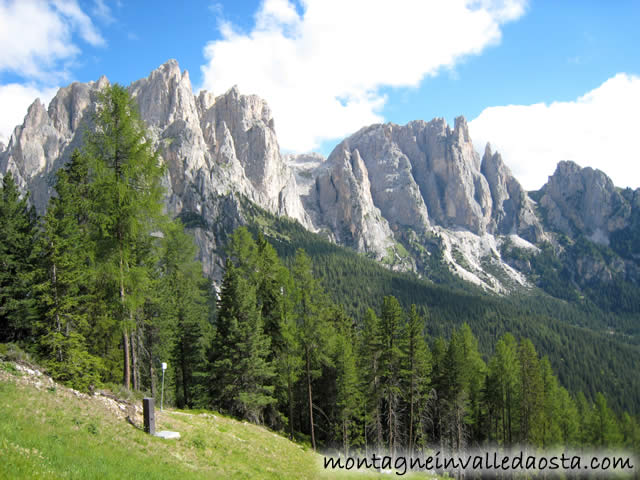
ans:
x=149 y=413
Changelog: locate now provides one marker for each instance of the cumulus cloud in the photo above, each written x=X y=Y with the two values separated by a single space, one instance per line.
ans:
x=321 y=63
x=36 y=36
x=15 y=100
x=597 y=130
x=38 y=43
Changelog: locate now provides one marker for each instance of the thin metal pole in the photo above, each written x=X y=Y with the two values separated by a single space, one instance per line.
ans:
x=162 y=394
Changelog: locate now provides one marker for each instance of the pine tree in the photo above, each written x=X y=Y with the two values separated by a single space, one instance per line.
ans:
x=417 y=373
x=65 y=286
x=568 y=420
x=531 y=391
x=241 y=377
x=474 y=374
x=504 y=372
x=370 y=349
x=455 y=393
x=551 y=434
x=347 y=379
x=313 y=331
x=185 y=294
x=126 y=208
x=391 y=360
x=605 y=431
x=438 y=401
x=18 y=234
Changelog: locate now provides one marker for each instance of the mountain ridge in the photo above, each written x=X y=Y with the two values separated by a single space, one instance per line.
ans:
x=405 y=195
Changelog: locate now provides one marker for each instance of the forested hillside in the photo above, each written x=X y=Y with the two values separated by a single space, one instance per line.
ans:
x=303 y=336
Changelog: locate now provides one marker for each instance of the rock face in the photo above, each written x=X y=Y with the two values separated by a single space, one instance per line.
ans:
x=340 y=198
x=512 y=210
x=584 y=201
x=403 y=195
x=215 y=148
x=389 y=183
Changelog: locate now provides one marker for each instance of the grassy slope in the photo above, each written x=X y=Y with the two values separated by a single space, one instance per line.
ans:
x=50 y=432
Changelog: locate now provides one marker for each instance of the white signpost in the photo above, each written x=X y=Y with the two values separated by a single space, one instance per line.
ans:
x=164 y=367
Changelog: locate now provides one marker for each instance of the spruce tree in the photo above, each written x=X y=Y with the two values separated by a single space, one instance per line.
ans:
x=241 y=376
x=391 y=360
x=347 y=395
x=505 y=372
x=417 y=373
x=18 y=234
x=184 y=292
x=531 y=391
x=551 y=434
x=64 y=288
x=370 y=349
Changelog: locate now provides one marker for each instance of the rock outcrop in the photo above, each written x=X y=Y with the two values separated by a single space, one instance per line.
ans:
x=583 y=201
x=215 y=148
x=399 y=194
x=390 y=183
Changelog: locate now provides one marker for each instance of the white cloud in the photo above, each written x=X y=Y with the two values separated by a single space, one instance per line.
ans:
x=36 y=36
x=15 y=100
x=321 y=70
x=37 y=44
x=599 y=130
x=102 y=11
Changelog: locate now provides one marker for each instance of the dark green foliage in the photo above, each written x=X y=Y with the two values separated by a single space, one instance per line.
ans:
x=64 y=276
x=18 y=233
x=240 y=373
x=184 y=295
x=126 y=208
x=577 y=337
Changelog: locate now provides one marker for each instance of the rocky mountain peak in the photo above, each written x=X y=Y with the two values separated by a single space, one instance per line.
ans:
x=461 y=130
x=399 y=193
x=165 y=96
x=584 y=201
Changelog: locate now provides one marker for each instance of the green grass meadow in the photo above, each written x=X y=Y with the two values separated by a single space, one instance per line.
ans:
x=50 y=432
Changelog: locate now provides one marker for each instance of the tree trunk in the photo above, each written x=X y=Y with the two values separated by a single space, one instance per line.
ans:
x=185 y=387
x=152 y=376
x=125 y=333
x=390 y=422
x=313 y=435
x=411 y=414
x=290 y=398
x=134 y=360
x=125 y=346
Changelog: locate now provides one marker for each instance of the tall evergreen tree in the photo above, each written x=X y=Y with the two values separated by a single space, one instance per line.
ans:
x=18 y=233
x=64 y=288
x=347 y=393
x=417 y=373
x=241 y=379
x=531 y=391
x=391 y=360
x=313 y=331
x=126 y=207
x=551 y=434
x=504 y=374
x=475 y=371
x=185 y=296
x=370 y=350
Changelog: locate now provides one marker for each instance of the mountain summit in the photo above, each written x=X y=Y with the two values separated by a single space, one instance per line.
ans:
x=414 y=197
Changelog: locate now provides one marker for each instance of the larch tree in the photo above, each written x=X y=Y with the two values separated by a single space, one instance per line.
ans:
x=126 y=206
x=313 y=331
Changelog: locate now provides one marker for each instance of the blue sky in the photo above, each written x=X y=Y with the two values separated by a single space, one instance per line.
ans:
x=542 y=81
